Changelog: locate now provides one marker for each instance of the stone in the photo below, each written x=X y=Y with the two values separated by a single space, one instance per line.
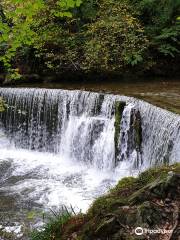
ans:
x=119 y=108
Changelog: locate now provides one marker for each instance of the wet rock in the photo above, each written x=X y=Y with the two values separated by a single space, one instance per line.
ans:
x=160 y=188
x=136 y=135
x=7 y=202
x=119 y=108
x=109 y=225
x=4 y=168
x=137 y=129
x=153 y=205
x=128 y=138
x=97 y=108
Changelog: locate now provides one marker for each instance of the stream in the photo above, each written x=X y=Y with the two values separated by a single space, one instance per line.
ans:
x=57 y=149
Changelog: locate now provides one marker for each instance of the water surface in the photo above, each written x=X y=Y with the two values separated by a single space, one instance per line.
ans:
x=164 y=93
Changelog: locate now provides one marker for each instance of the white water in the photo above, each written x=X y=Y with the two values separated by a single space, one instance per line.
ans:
x=58 y=145
x=51 y=180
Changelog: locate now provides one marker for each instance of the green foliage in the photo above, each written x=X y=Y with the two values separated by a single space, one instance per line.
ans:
x=64 y=6
x=87 y=35
x=53 y=228
x=115 y=39
x=22 y=30
x=161 y=24
x=157 y=13
x=18 y=33
x=88 y=10
x=169 y=41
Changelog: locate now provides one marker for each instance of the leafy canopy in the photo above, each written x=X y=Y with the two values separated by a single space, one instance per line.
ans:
x=88 y=35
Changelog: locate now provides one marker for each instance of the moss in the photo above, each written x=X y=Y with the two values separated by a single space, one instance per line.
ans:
x=138 y=130
x=2 y=105
x=157 y=172
x=109 y=226
x=104 y=204
x=126 y=183
x=119 y=108
x=149 y=213
x=158 y=183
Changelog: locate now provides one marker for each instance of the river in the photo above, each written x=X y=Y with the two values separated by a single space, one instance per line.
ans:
x=57 y=146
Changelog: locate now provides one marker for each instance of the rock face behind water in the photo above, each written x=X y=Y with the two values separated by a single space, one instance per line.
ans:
x=150 y=202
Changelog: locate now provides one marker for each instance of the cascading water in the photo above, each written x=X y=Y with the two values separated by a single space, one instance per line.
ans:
x=76 y=125
x=58 y=146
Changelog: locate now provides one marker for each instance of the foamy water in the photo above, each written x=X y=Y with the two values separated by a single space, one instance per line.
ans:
x=50 y=180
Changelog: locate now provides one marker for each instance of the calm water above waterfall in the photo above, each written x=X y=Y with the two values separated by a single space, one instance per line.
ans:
x=58 y=147
x=162 y=92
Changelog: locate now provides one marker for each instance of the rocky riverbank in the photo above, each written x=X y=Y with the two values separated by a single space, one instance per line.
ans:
x=146 y=207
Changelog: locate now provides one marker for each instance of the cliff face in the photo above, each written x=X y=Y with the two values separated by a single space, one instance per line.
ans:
x=146 y=207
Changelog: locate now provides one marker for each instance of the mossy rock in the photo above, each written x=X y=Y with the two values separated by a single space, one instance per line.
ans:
x=149 y=213
x=125 y=187
x=138 y=130
x=139 y=196
x=154 y=173
x=3 y=105
x=149 y=201
x=135 y=135
x=105 y=204
x=107 y=226
x=119 y=108
x=98 y=105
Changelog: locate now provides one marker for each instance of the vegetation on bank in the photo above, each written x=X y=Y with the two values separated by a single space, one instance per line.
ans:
x=3 y=105
x=54 y=228
x=149 y=201
x=89 y=36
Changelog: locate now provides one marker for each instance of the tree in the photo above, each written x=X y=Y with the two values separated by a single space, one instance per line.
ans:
x=22 y=31
x=116 y=39
x=88 y=35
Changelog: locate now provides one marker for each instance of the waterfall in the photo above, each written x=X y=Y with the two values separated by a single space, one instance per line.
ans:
x=80 y=126
x=161 y=135
x=60 y=147
x=128 y=151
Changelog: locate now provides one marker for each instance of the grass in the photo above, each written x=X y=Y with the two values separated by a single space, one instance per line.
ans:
x=54 y=227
